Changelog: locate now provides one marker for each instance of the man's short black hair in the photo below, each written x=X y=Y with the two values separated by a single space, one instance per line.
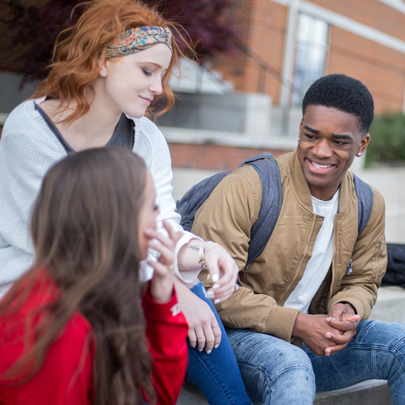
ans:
x=345 y=94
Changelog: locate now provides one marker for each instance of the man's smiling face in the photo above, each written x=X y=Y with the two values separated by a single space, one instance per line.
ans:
x=329 y=141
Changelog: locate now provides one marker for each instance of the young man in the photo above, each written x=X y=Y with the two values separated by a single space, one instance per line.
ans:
x=316 y=281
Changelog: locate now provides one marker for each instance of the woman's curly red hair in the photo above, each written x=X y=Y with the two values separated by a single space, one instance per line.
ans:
x=79 y=51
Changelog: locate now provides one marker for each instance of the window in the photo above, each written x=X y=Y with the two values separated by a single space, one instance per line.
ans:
x=310 y=55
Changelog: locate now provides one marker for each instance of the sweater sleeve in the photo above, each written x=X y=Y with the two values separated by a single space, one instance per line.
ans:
x=66 y=375
x=151 y=145
x=27 y=150
x=227 y=218
x=166 y=331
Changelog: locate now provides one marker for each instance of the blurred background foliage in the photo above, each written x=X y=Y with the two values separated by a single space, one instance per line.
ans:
x=387 y=144
x=33 y=27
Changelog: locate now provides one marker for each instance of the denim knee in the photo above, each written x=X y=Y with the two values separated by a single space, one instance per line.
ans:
x=386 y=342
x=291 y=359
x=377 y=351
x=274 y=371
x=389 y=356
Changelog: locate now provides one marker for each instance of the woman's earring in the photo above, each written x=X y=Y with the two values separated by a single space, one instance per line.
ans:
x=358 y=154
x=103 y=72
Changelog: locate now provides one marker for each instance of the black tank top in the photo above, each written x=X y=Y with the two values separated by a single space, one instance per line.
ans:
x=122 y=137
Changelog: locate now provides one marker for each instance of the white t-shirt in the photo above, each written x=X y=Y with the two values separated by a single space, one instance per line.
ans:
x=321 y=259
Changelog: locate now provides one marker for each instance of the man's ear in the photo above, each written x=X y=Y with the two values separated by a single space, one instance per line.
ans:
x=300 y=128
x=363 y=144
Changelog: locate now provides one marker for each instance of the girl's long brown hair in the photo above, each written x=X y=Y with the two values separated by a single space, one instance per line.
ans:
x=85 y=233
x=79 y=52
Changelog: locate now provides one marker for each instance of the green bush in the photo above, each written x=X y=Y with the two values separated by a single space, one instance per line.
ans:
x=387 y=143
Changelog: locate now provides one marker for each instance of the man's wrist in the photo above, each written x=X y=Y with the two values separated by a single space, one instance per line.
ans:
x=348 y=303
x=298 y=325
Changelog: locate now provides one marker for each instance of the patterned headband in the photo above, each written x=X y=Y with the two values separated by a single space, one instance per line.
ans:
x=138 y=39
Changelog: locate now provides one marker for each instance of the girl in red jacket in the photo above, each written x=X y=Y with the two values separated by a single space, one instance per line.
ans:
x=72 y=330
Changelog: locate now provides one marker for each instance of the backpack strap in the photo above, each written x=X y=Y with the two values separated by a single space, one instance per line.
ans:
x=190 y=203
x=270 y=208
x=269 y=174
x=365 y=201
x=264 y=155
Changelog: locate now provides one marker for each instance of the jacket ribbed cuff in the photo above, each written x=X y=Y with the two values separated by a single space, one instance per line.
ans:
x=280 y=322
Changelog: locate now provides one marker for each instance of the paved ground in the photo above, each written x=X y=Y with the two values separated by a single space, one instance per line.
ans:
x=389 y=181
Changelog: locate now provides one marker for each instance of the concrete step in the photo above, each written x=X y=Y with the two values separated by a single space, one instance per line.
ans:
x=191 y=395
x=390 y=305
x=372 y=392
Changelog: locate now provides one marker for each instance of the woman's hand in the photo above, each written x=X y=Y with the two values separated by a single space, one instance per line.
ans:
x=204 y=330
x=163 y=277
x=223 y=273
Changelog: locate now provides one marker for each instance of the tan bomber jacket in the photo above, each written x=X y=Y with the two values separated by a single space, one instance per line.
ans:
x=233 y=207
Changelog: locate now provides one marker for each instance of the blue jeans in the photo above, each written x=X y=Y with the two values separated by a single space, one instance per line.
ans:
x=216 y=374
x=276 y=372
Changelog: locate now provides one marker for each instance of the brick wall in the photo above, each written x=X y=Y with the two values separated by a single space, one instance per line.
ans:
x=233 y=65
x=369 y=12
x=261 y=26
x=380 y=68
x=267 y=41
x=212 y=157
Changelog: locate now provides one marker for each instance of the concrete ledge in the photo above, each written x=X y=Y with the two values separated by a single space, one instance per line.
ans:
x=191 y=395
x=390 y=305
x=3 y=117
x=374 y=392
x=200 y=136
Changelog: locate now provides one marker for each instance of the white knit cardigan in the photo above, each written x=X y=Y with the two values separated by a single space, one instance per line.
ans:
x=28 y=148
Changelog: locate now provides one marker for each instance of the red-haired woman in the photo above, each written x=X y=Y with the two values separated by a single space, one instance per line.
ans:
x=107 y=71
x=72 y=329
